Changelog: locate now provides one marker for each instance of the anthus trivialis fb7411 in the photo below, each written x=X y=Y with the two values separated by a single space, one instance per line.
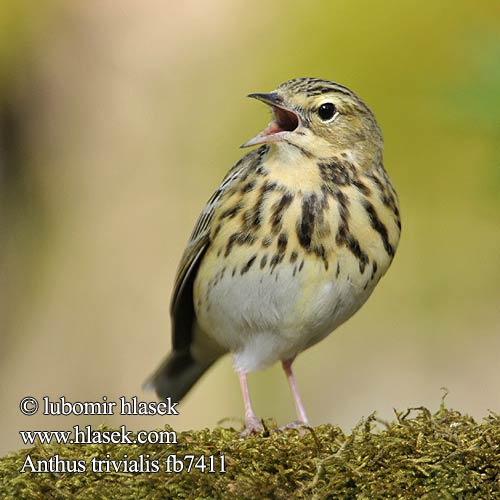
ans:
x=290 y=245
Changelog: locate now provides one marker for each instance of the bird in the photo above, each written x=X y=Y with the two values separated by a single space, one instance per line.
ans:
x=289 y=246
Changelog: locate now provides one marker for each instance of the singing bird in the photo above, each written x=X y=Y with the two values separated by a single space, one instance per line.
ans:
x=290 y=245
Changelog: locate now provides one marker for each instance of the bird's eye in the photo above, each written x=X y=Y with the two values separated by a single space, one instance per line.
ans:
x=327 y=111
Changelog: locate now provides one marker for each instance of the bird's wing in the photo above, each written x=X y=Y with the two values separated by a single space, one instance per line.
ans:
x=181 y=307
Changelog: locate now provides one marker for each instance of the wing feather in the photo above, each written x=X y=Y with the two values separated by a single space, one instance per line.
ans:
x=182 y=307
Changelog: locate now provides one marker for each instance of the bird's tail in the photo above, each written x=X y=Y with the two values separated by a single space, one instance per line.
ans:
x=176 y=375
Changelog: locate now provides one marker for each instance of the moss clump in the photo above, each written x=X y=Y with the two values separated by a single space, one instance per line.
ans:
x=420 y=455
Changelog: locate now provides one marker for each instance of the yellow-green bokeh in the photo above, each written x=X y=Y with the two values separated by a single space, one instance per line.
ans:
x=119 y=119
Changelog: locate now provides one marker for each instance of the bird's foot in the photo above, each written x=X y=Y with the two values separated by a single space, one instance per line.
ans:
x=296 y=424
x=252 y=426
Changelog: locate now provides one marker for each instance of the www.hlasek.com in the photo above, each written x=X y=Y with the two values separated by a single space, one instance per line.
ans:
x=88 y=436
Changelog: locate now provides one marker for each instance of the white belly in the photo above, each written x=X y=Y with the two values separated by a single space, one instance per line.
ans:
x=263 y=317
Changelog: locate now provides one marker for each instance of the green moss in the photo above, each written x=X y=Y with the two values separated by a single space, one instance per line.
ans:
x=421 y=455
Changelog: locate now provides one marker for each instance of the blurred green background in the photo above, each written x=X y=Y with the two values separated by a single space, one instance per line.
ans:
x=118 y=119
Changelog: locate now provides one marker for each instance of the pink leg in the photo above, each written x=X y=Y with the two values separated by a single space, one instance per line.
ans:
x=301 y=413
x=252 y=423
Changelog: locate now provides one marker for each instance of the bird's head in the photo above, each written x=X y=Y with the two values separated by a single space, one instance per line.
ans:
x=322 y=119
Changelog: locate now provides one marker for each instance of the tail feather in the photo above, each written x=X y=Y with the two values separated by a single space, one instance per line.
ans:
x=176 y=375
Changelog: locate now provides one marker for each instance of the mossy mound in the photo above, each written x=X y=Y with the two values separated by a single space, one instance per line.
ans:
x=420 y=455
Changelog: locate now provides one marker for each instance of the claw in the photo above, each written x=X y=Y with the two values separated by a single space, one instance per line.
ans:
x=252 y=426
x=296 y=424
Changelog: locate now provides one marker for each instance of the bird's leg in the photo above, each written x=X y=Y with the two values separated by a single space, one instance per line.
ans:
x=301 y=413
x=252 y=423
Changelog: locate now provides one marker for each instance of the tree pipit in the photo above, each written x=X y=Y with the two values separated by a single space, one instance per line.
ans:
x=289 y=246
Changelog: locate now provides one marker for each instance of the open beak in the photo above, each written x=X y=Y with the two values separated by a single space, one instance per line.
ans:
x=283 y=122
